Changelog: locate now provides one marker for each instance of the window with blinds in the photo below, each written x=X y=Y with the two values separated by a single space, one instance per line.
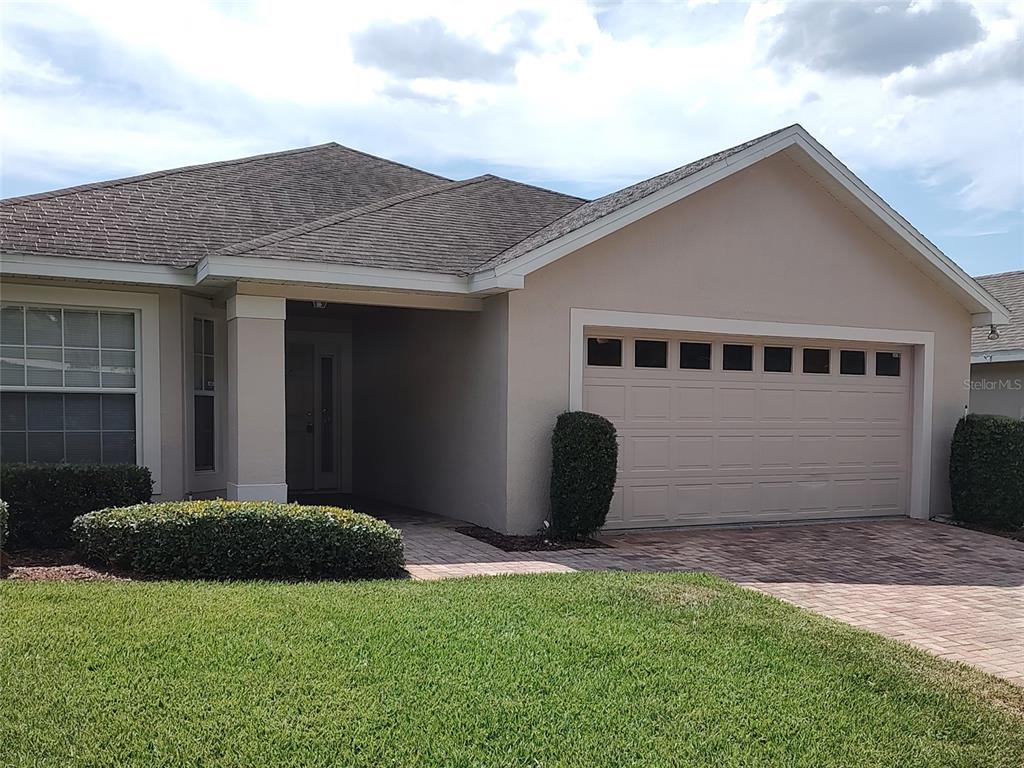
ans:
x=68 y=385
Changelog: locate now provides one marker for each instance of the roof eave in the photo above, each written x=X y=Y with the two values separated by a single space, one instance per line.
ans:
x=984 y=309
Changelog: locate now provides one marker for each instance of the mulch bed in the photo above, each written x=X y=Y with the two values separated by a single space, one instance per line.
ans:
x=1013 y=535
x=54 y=565
x=527 y=543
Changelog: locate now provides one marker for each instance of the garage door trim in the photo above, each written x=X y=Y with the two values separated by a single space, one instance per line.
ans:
x=923 y=343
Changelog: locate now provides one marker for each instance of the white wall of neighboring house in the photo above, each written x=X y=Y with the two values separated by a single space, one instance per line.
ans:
x=998 y=388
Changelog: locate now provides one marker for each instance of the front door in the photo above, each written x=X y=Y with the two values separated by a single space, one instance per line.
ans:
x=312 y=396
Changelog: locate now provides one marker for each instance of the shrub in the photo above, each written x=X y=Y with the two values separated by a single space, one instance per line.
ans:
x=45 y=498
x=3 y=534
x=584 y=458
x=986 y=471
x=241 y=540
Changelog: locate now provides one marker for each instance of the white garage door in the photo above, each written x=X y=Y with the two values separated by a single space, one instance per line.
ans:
x=719 y=430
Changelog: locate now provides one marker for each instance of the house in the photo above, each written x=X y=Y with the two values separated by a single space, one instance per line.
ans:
x=772 y=341
x=997 y=364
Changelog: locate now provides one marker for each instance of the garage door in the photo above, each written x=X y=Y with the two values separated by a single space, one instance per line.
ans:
x=721 y=430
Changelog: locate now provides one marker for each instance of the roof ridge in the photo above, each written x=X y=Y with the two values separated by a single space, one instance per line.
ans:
x=496 y=258
x=160 y=174
x=280 y=235
x=537 y=187
x=1001 y=274
x=390 y=161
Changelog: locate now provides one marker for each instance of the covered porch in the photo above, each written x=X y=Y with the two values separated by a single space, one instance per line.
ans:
x=399 y=401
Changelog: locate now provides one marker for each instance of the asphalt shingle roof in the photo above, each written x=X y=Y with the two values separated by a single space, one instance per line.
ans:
x=178 y=216
x=602 y=206
x=1008 y=289
x=325 y=203
x=448 y=228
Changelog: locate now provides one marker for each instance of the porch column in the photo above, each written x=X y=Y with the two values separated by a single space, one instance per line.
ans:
x=256 y=421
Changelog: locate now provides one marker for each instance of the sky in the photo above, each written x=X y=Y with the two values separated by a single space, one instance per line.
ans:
x=923 y=100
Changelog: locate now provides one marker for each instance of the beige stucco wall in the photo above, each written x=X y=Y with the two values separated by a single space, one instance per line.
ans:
x=170 y=374
x=172 y=383
x=765 y=244
x=429 y=403
x=998 y=388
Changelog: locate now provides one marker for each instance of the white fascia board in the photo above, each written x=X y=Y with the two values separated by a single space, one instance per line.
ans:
x=107 y=271
x=992 y=309
x=998 y=356
x=616 y=220
x=490 y=282
x=977 y=298
x=320 y=273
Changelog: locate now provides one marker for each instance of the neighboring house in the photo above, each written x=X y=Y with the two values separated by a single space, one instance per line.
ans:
x=997 y=365
x=772 y=341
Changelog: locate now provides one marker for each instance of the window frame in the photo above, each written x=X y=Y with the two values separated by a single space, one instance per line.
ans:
x=862 y=352
x=204 y=391
x=204 y=480
x=637 y=339
x=898 y=354
x=749 y=345
x=711 y=354
x=11 y=299
x=622 y=350
x=803 y=361
x=765 y=347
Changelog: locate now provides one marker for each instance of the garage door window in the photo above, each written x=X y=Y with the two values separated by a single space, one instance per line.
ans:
x=604 y=352
x=852 y=362
x=737 y=357
x=778 y=359
x=816 y=360
x=650 y=354
x=695 y=356
x=887 y=363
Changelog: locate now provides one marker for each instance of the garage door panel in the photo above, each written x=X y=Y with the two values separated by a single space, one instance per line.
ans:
x=608 y=400
x=813 y=451
x=649 y=503
x=694 y=502
x=813 y=406
x=735 y=405
x=694 y=404
x=852 y=407
x=651 y=452
x=776 y=452
x=889 y=407
x=694 y=452
x=776 y=497
x=735 y=452
x=713 y=446
x=887 y=451
x=648 y=403
x=777 y=405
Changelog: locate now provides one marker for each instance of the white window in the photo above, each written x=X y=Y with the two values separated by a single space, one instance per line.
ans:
x=68 y=382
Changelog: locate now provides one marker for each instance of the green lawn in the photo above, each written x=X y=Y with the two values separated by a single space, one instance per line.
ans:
x=583 y=670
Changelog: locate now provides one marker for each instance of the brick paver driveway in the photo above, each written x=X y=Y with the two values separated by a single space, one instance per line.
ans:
x=954 y=592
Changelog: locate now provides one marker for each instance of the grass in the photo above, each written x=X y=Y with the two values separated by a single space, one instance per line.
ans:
x=564 y=670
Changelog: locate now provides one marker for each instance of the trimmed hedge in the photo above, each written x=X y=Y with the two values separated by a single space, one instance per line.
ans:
x=986 y=471
x=584 y=459
x=241 y=540
x=45 y=498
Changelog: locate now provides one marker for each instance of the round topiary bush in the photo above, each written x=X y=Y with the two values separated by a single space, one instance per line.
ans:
x=241 y=540
x=584 y=460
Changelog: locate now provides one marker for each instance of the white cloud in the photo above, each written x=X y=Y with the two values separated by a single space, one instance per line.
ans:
x=187 y=82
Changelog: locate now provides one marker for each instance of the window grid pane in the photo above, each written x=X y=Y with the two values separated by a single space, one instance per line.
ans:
x=67 y=349
x=54 y=427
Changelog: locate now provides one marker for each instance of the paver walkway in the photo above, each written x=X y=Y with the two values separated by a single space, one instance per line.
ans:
x=954 y=592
